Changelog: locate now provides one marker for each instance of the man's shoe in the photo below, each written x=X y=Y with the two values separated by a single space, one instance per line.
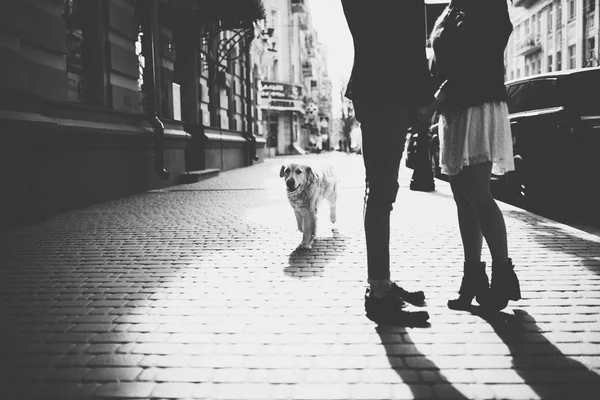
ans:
x=391 y=310
x=415 y=298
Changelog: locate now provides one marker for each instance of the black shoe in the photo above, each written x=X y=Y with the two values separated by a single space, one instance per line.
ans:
x=503 y=287
x=415 y=298
x=391 y=310
x=474 y=284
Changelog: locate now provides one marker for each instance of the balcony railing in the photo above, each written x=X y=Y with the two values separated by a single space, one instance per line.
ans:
x=529 y=45
x=524 y=3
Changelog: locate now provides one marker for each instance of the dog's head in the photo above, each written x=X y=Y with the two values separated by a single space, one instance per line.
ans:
x=296 y=175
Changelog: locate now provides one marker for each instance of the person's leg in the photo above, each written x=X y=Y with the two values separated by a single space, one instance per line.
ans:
x=475 y=281
x=468 y=224
x=384 y=130
x=476 y=183
x=504 y=284
x=383 y=137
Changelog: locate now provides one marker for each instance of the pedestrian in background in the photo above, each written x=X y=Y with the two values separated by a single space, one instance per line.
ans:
x=389 y=82
x=468 y=40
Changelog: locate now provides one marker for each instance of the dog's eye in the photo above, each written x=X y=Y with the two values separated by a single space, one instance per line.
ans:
x=298 y=171
x=287 y=170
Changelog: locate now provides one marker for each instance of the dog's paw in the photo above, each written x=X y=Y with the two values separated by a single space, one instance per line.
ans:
x=304 y=246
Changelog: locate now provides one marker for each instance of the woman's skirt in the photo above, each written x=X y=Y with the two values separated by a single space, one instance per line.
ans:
x=476 y=135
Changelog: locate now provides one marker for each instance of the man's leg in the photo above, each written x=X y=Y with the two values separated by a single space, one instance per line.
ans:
x=383 y=135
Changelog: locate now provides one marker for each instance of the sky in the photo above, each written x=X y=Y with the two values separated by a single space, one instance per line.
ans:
x=328 y=20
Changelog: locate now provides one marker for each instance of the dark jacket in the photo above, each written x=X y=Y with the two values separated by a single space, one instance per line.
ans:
x=389 y=51
x=471 y=58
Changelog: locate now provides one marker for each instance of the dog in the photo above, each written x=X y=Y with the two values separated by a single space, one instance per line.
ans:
x=306 y=188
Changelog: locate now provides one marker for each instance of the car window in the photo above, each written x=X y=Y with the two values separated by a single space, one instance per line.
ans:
x=544 y=94
x=582 y=92
x=517 y=94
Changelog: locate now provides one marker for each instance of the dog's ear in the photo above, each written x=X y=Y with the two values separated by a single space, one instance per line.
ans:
x=281 y=171
x=310 y=174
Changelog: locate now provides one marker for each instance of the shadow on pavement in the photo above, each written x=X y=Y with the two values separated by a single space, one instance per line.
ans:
x=418 y=372
x=557 y=239
x=304 y=264
x=542 y=365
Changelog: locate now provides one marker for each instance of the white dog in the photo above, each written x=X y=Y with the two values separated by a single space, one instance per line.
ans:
x=306 y=188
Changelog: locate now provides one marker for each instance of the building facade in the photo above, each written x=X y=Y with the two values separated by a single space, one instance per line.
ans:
x=552 y=35
x=295 y=98
x=101 y=99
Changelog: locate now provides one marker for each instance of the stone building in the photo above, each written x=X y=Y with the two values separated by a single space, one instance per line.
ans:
x=552 y=35
x=101 y=99
x=295 y=97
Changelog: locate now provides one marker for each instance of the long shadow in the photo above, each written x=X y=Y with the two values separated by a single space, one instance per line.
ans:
x=411 y=365
x=304 y=264
x=541 y=365
x=558 y=240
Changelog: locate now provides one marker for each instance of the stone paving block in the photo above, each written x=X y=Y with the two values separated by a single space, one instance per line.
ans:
x=177 y=390
x=125 y=390
x=115 y=374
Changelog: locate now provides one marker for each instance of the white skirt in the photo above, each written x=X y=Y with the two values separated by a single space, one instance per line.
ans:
x=476 y=135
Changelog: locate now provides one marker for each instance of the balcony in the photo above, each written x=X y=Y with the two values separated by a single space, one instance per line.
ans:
x=529 y=45
x=298 y=6
x=524 y=3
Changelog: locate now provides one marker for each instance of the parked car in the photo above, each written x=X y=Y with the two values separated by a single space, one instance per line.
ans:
x=555 y=124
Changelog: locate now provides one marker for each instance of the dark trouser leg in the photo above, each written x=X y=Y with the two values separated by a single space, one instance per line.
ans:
x=384 y=130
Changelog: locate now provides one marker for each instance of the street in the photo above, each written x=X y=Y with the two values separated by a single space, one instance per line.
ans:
x=197 y=291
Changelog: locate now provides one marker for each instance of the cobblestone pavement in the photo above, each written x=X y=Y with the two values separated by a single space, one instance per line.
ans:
x=197 y=292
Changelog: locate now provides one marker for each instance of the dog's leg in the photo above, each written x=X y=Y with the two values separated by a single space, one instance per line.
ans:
x=299 y=220
x=308 y=236
x=332 y=206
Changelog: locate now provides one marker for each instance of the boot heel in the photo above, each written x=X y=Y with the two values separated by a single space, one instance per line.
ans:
x=475 y=284
x=504 y=286
x=514 y=289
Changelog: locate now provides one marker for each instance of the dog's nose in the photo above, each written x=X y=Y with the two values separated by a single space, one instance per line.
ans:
x=290 y=184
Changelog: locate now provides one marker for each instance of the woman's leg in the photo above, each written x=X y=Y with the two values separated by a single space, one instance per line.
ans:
x=470 y=231
x=504 y=284
x=475 y=180
x=475 y=281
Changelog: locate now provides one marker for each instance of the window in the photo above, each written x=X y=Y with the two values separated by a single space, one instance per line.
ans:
x=550 y=61
x=572 y=10
x=558 y=61
x=526 y=69
x=527 y=29
x=559 y=15
x=572 y=60
x=550 y=15
x=591 y=52
x=76 y=69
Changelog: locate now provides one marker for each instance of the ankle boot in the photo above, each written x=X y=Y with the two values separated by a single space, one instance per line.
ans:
x=474 y=284
x=504 y=286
